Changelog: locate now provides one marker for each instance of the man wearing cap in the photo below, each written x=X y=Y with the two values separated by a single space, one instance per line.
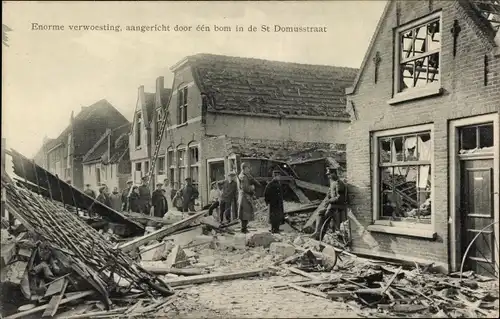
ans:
x=104 y=196
x=335 y=196
x=229 y=198
x=189 y=194
x=125 y=194
x=144 y=196
x=159 y=201
x=89 y=191
x=273 y=195
x=246 y=191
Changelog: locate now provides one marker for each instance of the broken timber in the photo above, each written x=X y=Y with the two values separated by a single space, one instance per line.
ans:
x=299 y=193
x=63 y=192
x=40 y=308
x=160 y=233
x=216 y=277
x=313 y=187
x=176 y=271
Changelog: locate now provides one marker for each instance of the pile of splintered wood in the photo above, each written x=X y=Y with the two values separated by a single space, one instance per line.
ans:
x=70 y=260
x=382 y=289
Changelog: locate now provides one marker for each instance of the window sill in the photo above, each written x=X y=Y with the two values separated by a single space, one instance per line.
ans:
x=181 y=125
x=399 y=230
x=415 y=94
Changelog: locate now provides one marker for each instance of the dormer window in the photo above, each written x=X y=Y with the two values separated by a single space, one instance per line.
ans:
x=418 y=48
x=138 y=124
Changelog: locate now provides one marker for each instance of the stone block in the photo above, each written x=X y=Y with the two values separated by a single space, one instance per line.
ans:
x=261 y=239
x=282 y=249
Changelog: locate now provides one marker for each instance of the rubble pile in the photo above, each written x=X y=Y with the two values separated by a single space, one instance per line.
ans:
x=68 y=260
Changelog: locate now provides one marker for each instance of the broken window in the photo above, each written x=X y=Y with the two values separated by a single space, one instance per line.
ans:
x=161 y=165
x=171 y=164
x=182 y=103
x=419 y=51
x=404 y=168
x=181 y=163
x=476 y=139
x=194 y=159
x=138 y=125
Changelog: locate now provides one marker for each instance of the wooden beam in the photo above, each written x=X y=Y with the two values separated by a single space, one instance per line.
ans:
x=161 y=270
x=55 y=301
x=201 y=279
x=302 y=273
x=300 y=194
x=309 y=291
x=313 y=187
x=160 y=233
x=40 y=308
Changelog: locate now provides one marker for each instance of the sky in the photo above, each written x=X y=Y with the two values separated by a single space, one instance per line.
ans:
x=48 y=74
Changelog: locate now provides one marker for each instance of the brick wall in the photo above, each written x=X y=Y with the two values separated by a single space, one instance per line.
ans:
x=464 y=95
x=274 y=128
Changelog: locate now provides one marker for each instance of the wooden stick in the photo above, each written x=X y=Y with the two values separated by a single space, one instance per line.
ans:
x=335 y=294
x=40 y=308
x=302 y=273
x=176 y=271
x=96 y=313
x=216 y=277
x=391 y=280
x=160 y=233
x=55 y=301
x=309 y=291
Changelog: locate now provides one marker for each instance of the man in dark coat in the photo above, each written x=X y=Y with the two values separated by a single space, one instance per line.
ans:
x=125 y=194
x=273 y=196
x=229 y=198
x=104 y=196
x=159 y=201
x=89 y=191
x=144 y=196
x=189 y=194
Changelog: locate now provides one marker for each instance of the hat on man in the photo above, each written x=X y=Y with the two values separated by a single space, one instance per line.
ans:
x=130 y=181
x=187 y=179
x=159 y=184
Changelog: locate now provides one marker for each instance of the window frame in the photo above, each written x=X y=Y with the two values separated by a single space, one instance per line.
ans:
x=184 y=165
x=160 y=169
x=170 y=162
x=429 y=89
x=182 y=104
x=138 y=130
x=404 y=227
x=195 y=164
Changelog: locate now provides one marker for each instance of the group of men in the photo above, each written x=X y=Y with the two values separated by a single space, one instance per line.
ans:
x=234 y=197
x=139 y=199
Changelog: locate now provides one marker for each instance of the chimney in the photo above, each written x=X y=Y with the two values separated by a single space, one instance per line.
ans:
x=108 y=131
x=141 y=90
x=160 y=84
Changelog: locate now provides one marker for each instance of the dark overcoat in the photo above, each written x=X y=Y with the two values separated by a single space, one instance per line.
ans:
x=246 y=207
x=273 y=196
x=159 y=203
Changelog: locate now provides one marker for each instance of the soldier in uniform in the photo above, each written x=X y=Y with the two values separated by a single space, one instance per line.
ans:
x=144 y=196
x=273 y=195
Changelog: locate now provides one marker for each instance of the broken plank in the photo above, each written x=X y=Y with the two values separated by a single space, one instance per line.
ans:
x=160 y=233
x=299 y=193
x=302 y=273
x=55 y=286
x=308 y=290
x=336 y=294
x=75 y=296
x=159 y=270
x=55 y=300
x=312 y=219
x=391 y=280
x=313 y=187
x=216 y=277
x=98 y=314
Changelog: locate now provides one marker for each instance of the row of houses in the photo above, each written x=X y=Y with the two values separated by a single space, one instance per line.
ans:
x=419 y=121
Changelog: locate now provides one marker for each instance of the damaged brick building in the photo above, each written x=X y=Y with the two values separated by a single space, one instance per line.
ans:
x=63 y=155
x=226 y=108
x=423 y=148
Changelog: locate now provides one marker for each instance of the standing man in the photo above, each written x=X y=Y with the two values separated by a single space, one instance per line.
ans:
x=273 y=195
x=189 y=194
x=214 y=197
x=246 y=188
x=159 y=201
x=167 y=188
x=89 y=191
x=104 y=196
x=144 y=196
x=229 y=198
x=335 y=197
x=116 y=199
x=125 y=195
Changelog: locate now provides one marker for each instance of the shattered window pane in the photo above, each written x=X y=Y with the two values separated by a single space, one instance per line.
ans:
x=405 y=186
x=181 y=158
x=419 y=56
x=486 y=136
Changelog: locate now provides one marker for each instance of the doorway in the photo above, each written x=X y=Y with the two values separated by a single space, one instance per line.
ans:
x=474 y=201
x=216 y=172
